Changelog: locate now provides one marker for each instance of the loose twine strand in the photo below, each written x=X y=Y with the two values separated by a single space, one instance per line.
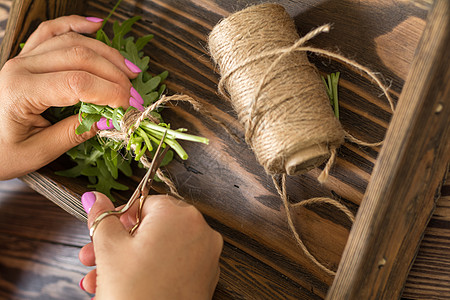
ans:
x=262 y=39
x=281 y=189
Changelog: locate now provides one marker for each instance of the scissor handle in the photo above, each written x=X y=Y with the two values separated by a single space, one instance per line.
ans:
x=140 y=193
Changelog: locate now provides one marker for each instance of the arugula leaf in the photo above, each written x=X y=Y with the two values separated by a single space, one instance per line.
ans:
x=142 y=41
x=87 y=123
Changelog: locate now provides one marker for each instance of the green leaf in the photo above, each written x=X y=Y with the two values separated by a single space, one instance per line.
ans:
x=163 y=75
x=167 y=159
x=142 y=41
x=103 y=37
x=112 y=168
x=152 y=84
x=75 y=171
x=125 y=167
x=91 y=171
x=87 y=123
x=150 y=99
x=115 y=118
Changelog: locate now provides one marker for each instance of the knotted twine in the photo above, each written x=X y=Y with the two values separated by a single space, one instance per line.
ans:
x=131 y=121
x=280 y=99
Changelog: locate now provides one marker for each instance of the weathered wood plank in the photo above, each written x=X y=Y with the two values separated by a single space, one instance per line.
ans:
x=400 y=197
x=429 y=277
x=39 y=246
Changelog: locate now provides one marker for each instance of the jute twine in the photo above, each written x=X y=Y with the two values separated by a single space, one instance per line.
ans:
x=131 y=121
x=280 y=98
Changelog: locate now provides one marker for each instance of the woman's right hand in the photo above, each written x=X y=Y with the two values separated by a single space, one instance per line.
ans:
x=174 y=254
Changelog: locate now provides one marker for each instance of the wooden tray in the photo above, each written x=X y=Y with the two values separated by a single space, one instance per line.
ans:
x=261 y=259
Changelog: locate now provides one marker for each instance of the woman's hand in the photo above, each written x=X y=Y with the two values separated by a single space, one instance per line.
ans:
x=174 y=254
x=56 y=67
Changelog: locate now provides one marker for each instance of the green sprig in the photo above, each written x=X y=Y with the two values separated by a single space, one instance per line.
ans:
x=331 y=84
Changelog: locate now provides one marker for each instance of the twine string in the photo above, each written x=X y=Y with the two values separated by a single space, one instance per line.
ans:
x=133 y=118
x=264 y=67
x=281 y=189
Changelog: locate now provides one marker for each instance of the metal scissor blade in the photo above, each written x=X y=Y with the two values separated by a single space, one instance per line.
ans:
x=141 y=191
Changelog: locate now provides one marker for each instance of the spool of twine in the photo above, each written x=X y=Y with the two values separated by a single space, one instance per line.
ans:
x=281 y=100
x=278 y=95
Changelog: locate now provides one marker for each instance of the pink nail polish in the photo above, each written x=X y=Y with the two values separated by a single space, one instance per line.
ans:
x=94 y=19
x=88 y=199
x=133 y=68
x=136 y=104
x=81 y=284
x=102 y=124
x=136 y=96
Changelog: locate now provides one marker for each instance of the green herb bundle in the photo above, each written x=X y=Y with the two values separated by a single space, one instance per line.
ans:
x=101 y=159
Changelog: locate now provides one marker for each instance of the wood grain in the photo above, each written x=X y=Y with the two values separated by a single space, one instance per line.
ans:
x=36 y=236
x=400 y=198
x=39 y=246
x=261 y=260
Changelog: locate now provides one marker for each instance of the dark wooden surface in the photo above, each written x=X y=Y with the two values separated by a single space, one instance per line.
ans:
x=39 y=244
x=400 y=197
x=261 y=259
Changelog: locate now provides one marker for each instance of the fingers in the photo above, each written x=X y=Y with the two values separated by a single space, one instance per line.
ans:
x=68 y=88
x=74 y=40
x=78 y=58
x=89 y=282
x=59 y=137
x=87 y=255
x=51 y=28
x=110 y=233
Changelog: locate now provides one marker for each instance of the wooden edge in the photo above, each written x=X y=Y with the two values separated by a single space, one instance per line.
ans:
x=26 y=15
x=400 y=197
x=11 y=31
x=57 y=193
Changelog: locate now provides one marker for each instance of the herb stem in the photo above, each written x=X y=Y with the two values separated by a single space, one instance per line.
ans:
x=173 y=134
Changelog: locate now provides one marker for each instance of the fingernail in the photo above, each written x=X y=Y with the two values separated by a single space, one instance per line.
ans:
x=81 y=284
x=94 y=19
x=136 y=95
x=133 y=68
x=102 y=124
x=88 y=199
x=136 y=104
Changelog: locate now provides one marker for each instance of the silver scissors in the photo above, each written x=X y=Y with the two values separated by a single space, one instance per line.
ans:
x=140 y=193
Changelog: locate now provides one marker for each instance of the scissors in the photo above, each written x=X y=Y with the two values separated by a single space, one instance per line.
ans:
x=140 y=193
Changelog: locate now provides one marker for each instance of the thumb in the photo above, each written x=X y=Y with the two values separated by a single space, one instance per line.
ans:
x=110 y=230
x=58 y=138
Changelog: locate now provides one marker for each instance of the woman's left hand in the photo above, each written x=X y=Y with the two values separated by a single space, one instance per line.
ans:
x=57 y=67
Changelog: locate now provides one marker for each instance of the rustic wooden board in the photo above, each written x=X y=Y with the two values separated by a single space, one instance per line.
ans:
x=223 y=179
x=38 y=247
x=400 y=197
x=36 y=237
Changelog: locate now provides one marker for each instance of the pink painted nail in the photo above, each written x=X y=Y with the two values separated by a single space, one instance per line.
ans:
x=133 y=68
x=136 y=95
x=88 y=199
x=136 y=104
x=94 y=19
x=81 y=284
x=103 y=124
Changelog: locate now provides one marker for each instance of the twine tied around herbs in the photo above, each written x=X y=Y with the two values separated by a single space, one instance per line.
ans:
x=280 y=99
x=131 y=121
